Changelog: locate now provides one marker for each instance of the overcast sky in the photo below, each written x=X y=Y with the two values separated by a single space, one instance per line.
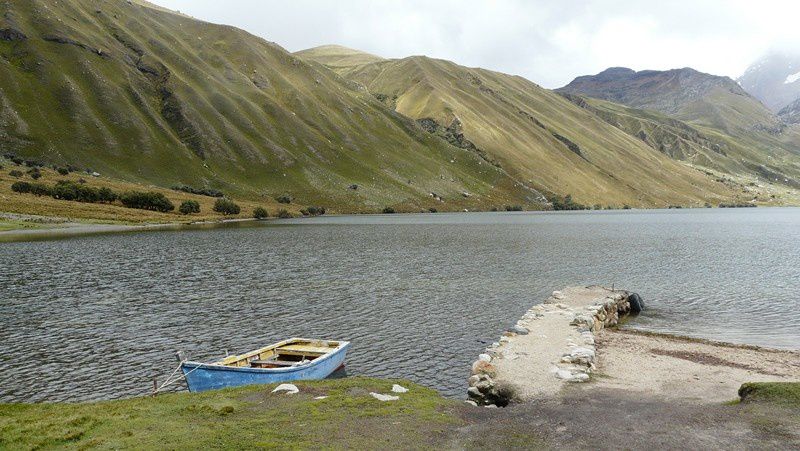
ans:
x=549 y=42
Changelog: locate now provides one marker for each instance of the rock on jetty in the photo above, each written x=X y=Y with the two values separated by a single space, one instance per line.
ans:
x=552 y=345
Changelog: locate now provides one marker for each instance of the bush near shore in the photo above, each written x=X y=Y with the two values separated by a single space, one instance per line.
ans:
x=226 y=207
x=189 y=207
x=40 y=201
x=147 y=201
x=260 y=213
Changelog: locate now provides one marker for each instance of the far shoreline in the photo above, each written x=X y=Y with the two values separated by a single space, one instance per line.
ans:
x=55 y=228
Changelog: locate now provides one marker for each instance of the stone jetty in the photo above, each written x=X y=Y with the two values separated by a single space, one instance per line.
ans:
x=552 y=345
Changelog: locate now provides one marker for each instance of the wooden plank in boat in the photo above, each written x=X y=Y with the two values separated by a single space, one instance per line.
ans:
x=306 y=348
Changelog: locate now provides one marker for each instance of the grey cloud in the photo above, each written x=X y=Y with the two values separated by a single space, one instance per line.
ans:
x=548 y=42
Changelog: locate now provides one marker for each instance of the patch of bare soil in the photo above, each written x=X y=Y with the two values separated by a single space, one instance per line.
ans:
x=618 y=419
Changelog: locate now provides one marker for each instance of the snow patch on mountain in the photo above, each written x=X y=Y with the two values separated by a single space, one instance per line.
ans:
x=792 y=78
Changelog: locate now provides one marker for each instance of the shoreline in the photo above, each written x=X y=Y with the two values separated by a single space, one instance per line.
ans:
x=52 y=228
x=572 y=342
x=48 y=227
x=632 y=397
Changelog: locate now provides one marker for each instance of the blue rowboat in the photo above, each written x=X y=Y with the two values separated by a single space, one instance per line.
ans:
x=288 y=360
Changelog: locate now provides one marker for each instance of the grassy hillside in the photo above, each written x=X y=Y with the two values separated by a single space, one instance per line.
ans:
x=142 y=94
x=533 y=133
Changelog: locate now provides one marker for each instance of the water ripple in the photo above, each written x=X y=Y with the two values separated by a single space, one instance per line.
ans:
x=98 y=317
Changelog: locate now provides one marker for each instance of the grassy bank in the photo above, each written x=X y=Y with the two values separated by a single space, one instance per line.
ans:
x=349 y=418
x=242 y=418
x=783 y=393
x=114 y=212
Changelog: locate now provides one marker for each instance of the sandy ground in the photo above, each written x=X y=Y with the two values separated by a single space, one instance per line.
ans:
x=646 y=391
x=685 y=369
x=661 y=366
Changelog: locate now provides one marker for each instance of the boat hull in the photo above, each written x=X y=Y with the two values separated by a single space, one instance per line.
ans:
x=203 y=376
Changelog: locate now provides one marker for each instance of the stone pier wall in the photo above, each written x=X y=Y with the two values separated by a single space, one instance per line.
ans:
x=553 y=343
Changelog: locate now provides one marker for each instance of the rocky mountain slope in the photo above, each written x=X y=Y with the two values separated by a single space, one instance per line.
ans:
x=721 y=126
x=791 y=113
x=774 y=79
x=685 y=94
x=533 y=133
x=137 y=92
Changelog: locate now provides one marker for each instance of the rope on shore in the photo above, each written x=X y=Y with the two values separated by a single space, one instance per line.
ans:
x=169 y=381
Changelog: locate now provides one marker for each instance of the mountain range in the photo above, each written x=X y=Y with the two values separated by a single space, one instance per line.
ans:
x=775 y=80
x=156 y=97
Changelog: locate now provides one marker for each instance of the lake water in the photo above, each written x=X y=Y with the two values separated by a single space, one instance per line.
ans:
x=420 y=296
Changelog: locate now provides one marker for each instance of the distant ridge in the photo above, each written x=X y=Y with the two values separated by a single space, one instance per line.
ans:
x=533 y=133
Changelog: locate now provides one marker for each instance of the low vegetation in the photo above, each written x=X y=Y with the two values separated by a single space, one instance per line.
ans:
x=67 y=190
x=566 y=203
x=150 y=200
x=226 y=207
x=210 y=192
x=284 y=214
x=388 y=211
x=786 y=393
x=243 y=418
x=189 y=206
x=260 y=213
x=313 y=211
x=284 y=199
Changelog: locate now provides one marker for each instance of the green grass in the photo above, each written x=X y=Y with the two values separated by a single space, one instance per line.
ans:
x=783 y=393
x=11 y=224
x=241 y=418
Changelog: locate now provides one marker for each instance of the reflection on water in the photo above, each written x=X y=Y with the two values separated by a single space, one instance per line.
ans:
x=419 y=296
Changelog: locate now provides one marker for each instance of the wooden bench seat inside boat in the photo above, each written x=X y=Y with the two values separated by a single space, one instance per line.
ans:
x=270 y=363
x=306 y=349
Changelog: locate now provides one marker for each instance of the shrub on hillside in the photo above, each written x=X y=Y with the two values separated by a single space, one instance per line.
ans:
x=21 y=187
x=313 y=211
x=147 y=201
x=432 y=210
x=14 y=159
x=283 y=214
x=15 y=173
x=566 y=203
x=106 y=195
x=513 y=208
x=62 y=171
x=260 y=213
x=226 y=207
x=210 y=192
x=68 y=190
x=189 y=207
x=388 y=211
x=284 y=199
x=40 y=189
x=35 y=173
